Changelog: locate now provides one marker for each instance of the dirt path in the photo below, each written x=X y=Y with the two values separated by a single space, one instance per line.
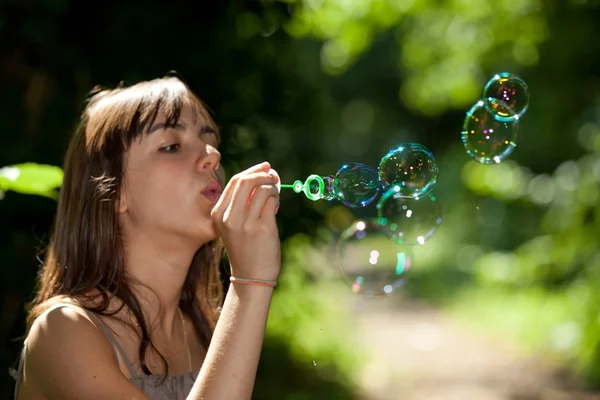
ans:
x=418 y=354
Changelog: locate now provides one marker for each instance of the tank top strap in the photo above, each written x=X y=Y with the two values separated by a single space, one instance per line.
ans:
x=113 y=340
x=17 y=374
x=117 y=348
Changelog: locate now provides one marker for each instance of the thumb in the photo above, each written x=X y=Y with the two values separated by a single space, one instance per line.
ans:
x=274 y=173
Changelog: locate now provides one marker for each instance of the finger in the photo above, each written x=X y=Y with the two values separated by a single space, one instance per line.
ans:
x=273 y=173
x=245 y=186
x=270 y=210
x=230 y=188
x=264 y=166
x=219 y=208
x=259 y=200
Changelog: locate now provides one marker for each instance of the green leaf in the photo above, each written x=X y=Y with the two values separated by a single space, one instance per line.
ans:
x=31 y=178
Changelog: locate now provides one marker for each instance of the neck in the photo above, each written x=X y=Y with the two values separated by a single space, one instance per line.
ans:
x=158 y=270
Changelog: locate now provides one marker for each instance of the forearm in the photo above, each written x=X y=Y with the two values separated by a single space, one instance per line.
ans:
x=229 y=370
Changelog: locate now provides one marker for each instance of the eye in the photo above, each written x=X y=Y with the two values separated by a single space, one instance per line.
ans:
x=172 y=148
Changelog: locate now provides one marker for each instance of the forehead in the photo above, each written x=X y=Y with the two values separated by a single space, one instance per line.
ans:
x=189 y=116
x=117 y=118
x=189 y=122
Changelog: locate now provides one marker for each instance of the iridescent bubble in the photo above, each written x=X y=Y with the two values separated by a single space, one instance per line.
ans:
x=411 y=167
x=512 y=91
x=328 y=192
x=356 y=185
x=372 y=264
x=411 y=221
x=487 y=139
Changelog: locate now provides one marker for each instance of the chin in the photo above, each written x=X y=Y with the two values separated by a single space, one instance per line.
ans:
x=205 y=235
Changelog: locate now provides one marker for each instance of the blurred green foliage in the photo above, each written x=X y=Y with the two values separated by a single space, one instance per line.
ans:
x=31 y=178
x=311 y=84
x=544 y=289
x=445 y=47
x=519 y=250
x=306 y=321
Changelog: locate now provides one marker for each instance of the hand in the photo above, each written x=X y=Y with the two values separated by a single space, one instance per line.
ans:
x=245 y=218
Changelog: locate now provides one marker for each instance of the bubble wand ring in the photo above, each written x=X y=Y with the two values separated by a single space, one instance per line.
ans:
x=298 y=187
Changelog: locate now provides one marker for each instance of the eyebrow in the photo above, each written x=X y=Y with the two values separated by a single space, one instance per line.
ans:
x=204 y=129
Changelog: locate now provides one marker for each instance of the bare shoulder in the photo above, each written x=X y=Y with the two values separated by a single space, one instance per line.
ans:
x=69 y=357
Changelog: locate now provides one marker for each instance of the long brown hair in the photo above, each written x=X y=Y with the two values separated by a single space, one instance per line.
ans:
x=85 y=253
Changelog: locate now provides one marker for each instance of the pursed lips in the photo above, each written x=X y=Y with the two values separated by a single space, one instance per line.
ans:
x=213 y=191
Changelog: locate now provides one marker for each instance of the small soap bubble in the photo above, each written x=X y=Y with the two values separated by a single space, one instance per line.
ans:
x=329 y=192
x=411 y=167
x=513 y=94
x=486 y=139
x=411 y=221
x=356 y=185
x=370 y=261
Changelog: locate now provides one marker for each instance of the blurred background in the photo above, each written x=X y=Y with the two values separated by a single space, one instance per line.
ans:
x=502 y=303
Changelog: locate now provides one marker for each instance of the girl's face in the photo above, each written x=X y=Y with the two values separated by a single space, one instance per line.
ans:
x=171 y=180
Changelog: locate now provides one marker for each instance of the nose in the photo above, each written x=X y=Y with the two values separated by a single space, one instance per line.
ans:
x=210 y=160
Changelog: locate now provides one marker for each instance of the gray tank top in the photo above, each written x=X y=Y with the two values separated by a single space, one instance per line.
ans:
x=176 y=387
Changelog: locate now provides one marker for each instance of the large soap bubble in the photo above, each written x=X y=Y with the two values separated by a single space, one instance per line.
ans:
x=411 y=167
x=372 y=263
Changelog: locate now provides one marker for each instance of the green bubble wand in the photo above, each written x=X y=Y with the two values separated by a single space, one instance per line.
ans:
x=313 y=188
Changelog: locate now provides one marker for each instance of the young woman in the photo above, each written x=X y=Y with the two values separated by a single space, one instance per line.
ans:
x=128 y=298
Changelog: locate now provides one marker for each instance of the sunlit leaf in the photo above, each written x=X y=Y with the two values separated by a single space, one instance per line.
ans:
x=31 y=178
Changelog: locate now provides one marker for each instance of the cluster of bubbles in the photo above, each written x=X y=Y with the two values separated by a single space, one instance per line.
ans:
x=409 y=171
x=375 y=254
x=491 y=127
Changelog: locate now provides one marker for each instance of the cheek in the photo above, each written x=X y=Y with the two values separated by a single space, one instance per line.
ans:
x=146 y=192
x=162 y=189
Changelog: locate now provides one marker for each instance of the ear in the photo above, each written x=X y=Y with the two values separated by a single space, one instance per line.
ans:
x=121 y=205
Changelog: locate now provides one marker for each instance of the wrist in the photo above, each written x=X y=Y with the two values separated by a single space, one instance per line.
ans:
x=256 y=282
x=251 y=294
x=267 y=274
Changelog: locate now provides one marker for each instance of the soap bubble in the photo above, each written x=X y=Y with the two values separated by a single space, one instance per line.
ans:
x=356 y=185
x=487 y=139
x=411 y=167
x=373 y=264
x=411 y=221
x=328 y=192
x=512 y=91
